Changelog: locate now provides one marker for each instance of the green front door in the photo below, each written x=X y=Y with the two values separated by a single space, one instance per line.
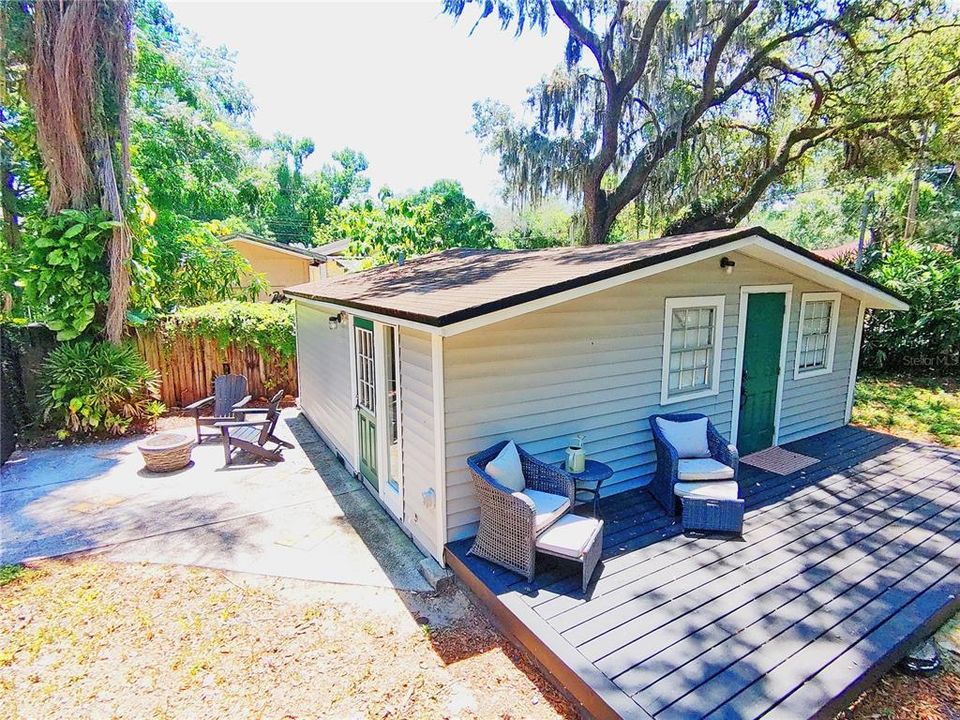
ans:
x=761 y=371
x=366 y=399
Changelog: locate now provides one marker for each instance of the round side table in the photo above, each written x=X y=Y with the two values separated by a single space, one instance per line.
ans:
x=589 y=481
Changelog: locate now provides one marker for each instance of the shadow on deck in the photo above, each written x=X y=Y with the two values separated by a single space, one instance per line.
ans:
x=842 y=567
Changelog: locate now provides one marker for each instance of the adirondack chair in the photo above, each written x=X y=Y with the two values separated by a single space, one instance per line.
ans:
x=229 y=396
x=252 y=436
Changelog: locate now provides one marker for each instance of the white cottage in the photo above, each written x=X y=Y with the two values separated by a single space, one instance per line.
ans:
x=406 y=370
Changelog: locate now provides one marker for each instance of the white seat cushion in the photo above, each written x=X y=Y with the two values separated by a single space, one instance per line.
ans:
x=689 y=438
x=547 y=506
x=570 y=536
x=505 y=468
x=699 y=469
x=713 y=490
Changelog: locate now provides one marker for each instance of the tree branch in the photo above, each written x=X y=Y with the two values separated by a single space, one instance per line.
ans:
x=651 y=112
x=720 y=44
x=581 y=32
x=633 y=74
x=809 y=78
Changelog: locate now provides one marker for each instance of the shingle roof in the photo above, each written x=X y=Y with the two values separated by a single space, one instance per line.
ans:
x=835 y=253
x=460 y=284
x=333 y=248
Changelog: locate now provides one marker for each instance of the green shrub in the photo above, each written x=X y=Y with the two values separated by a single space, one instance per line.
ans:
x=63 y=274
x=90 y=388
x=266 y=327
x=926 y=338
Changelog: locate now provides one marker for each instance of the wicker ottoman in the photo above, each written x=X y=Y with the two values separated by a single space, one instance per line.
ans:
x=711 y=507
x=166 y=452
x=577 y=538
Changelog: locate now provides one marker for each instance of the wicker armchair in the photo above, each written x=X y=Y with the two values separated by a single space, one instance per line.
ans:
x=507 y=535
x=661 y=486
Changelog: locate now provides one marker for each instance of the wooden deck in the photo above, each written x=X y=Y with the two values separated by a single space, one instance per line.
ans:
x=842 y=568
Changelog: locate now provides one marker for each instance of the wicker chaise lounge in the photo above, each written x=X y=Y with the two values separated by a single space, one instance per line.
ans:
x=670 y=471
x=511 y=523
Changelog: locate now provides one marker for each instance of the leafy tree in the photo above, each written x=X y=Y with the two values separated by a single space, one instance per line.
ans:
x=194 y=167
x=303 y=201
x=830 y=216
x=82 y=122
x=437 y=217
x=815 y=219
x=696 y=109
x=197 y=267
x=546 y=225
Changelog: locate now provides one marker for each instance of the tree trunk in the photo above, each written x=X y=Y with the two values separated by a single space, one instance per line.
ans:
x=77 y=85
x=910 y=227
x=597 y=216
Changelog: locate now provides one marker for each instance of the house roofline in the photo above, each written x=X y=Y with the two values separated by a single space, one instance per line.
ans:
x=469 y=318
x=279 y=247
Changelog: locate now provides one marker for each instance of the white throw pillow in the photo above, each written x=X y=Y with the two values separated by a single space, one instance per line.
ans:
x=688 y=438
x=505 y=468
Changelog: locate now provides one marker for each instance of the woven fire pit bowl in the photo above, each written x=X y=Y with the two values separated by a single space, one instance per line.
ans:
x=166 y=452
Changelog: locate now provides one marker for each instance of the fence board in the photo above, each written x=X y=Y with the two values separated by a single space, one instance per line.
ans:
x=187 y=367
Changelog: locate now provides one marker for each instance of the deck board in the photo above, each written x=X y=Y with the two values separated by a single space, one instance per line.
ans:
x=841 y=568
x=760 y=489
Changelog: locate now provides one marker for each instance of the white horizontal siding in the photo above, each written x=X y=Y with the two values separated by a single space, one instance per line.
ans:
x=417 y=441
x=818 y=404
x=326 y=395
x=593 y=366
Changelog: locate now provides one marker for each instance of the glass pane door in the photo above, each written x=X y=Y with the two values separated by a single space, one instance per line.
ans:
x=366 y=398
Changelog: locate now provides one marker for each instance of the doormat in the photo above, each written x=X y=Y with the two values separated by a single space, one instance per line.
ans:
x=779 y=461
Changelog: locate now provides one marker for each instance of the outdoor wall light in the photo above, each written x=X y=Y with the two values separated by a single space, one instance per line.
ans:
x=727 y=265
x=336 y=320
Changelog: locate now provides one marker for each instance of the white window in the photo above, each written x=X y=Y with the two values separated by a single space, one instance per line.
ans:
x=692 y=334
x=817 y=334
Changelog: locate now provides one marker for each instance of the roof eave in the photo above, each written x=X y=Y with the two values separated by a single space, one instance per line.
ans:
x=262 y=242
x=870 y=292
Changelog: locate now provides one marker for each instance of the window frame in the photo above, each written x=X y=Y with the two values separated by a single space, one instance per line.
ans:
x=805 y=299
x=717 y=302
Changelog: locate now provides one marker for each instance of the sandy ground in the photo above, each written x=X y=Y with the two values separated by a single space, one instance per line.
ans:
x=87 y=638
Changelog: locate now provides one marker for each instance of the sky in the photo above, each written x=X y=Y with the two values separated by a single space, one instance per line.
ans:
x=394 y=80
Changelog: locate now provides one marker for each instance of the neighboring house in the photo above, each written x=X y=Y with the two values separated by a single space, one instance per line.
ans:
x=285 y=265
x=407 y=370
x=839 y=252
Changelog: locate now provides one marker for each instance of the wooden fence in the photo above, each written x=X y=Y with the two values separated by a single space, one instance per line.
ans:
x=187 y=367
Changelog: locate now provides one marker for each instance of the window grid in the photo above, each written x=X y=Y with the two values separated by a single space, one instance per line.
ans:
x=691 y=349
x=366 y=390
x=815 y=334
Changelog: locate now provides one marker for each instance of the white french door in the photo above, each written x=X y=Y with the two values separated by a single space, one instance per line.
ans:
x=377 y=386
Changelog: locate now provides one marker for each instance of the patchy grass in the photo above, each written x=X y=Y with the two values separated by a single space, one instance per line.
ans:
x=916 y=408
x=9 y=573
x=86 y=638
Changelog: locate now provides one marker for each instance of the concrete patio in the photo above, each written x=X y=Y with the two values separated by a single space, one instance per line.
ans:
x=304 y=518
